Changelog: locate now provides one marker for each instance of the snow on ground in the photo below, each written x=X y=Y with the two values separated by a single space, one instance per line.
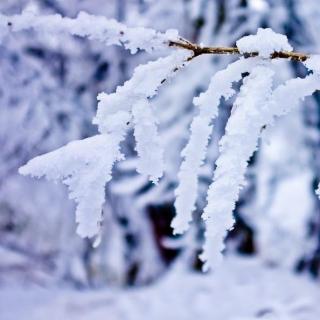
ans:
x=243 y=289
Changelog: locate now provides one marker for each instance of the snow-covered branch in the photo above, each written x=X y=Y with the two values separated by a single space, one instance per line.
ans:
x=250 y=113
x=85 y=166
x=195 y=152
x=247 y=47
x=111 y=32
x=108 y=31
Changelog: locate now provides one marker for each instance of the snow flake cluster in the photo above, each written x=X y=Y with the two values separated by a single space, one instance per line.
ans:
x=250 y=114
x=85 y=166
x=256 y=107
x=108 y=31
x=195 y=152
x=130 y=103
x=265 y=42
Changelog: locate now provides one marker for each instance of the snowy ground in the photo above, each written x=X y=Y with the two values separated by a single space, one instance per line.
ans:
x=243 y=286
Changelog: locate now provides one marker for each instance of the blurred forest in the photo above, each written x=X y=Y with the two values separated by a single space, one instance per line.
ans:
x=48 y=89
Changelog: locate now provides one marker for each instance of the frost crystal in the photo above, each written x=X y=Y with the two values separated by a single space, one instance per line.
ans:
x=144 y=84
x=288 y=95
x=148 y=142
x=85 y=167
x=250 y=113
x=131 y=99
x=201 y=128
x=93 y=27
x=265 y=42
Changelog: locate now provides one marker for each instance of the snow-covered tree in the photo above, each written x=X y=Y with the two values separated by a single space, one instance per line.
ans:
x=150 y=120
x=85 y=166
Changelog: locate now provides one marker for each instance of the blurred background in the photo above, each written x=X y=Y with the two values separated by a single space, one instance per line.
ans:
x=48 y=89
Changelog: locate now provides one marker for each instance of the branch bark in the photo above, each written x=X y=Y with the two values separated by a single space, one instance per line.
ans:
x=199 y=50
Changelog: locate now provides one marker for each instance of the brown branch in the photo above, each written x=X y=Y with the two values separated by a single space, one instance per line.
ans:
x=199 y=50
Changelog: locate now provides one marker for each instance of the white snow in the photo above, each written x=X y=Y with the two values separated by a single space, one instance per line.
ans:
x=148 y=144
x=245 y=289
x=250 y=113
x=108 y=31
x=287 y=96
x=85 y=167
x=132 y=99
x=201 y=128
x=313 y=63
x=144 y=84
x=265 y=42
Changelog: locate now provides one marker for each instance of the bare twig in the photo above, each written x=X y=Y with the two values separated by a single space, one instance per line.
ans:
x=199 y=50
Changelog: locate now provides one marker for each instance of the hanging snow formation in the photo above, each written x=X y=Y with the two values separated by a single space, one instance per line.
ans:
x=85 y=166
